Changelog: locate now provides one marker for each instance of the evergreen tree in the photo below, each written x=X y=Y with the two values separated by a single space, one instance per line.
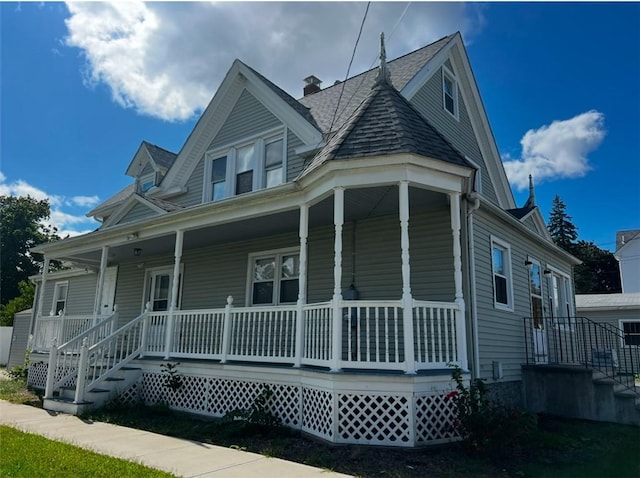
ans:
x=599 y=272
x=562 y=230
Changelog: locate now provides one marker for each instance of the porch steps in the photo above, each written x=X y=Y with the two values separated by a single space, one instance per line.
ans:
x=108 y=389
x=579 y=392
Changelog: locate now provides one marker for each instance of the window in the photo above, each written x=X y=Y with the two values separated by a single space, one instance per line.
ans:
x=158 y=290
x=631 y=331
x=59 y=298
x=560 y=295
x=501 y=261
x=535 y=289
x=273 y=277
x=450 y=92
x=147 y=182
x=245 y=167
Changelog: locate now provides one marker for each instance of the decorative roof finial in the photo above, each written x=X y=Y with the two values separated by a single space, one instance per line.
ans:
x=383 y=71
x=531 y=202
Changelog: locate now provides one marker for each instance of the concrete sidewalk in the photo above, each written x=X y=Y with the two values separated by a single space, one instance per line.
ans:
x=180 y=457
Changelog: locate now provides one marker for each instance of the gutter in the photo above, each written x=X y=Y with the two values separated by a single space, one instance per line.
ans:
x=475 y=370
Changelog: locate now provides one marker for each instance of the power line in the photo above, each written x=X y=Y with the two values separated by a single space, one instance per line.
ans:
x=353 y=54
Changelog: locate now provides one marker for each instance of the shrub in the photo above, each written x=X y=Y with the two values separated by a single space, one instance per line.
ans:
x=258 y=413
x=487 y=425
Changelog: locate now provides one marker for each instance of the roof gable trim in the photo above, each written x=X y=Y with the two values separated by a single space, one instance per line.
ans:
x=128 y=204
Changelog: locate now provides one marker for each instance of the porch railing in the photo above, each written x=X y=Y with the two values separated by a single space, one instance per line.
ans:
x=371 y=335
x=62 y=328
x=581 y=341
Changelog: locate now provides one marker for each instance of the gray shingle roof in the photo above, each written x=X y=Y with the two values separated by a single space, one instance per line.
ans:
x=322 y=105
x=161 y=156
x=521 y=212
x=386 y=123
x=162 y=204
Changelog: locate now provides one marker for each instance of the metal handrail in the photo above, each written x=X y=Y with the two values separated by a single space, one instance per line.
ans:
x=584 y=342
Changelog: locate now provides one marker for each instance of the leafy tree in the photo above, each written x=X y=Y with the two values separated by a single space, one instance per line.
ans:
x=599 y=272
x=562 y=230
x=23 y=302
x=21 y=228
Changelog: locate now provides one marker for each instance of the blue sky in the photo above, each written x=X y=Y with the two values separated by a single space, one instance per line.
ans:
x=83 y=84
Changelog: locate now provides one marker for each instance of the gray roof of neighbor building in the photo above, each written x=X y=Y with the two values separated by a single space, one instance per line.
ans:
x=161 y=156
x=623 y=237
x=608 y=301
x=386 y=123
x=322 y=104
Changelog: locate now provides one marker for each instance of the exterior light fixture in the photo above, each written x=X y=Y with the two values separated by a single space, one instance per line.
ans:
x=133 y=235
x=546 y=272
x=528 y=263
x=137 y=252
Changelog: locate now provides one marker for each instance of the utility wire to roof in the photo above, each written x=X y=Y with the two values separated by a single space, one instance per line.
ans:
x=353 y=54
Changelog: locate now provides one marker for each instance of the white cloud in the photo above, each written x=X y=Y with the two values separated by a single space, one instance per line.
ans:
x=167 y=59
x=85 y=201
x=557 y=151
x=61 y=217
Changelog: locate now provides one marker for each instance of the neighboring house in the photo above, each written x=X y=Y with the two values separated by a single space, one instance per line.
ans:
x=628 y=255
x=342 y=249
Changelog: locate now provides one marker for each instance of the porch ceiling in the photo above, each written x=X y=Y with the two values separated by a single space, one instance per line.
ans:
x=360 y=204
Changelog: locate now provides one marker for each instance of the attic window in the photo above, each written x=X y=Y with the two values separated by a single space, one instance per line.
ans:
x=450 y=92
x=245 y=167
x=147 y=182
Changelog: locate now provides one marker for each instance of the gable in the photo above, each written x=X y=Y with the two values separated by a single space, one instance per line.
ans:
x=456 y=54
x=459 y=132
x=248 y=118
x=135 y=208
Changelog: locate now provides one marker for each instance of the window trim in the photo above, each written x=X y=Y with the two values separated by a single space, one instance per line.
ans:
x=532 y=295
x=146 y=292
x=620 y=323
x=278 y=253
x=447 y=73
x=509 y=306
x=55 y=300
x=568 y=292
x=229 y=150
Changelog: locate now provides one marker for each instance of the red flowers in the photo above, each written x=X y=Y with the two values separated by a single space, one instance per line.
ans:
x=451 y=395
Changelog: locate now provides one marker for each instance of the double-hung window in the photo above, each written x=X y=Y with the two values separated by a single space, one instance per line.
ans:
x=273 y=277
x=631 y=331
x=60 y=298
x=560 y=294
x=502 y=285
x=245 y=167
x=450 y=92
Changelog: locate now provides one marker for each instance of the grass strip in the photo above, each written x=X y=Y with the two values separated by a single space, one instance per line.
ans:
x=28 y=455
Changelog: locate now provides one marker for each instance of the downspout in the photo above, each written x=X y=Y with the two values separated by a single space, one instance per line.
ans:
x=472 y=286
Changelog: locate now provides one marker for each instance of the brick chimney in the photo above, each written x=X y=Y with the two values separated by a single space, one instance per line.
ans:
x=311 y=85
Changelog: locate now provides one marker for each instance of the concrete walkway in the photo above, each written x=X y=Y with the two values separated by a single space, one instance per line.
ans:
x=180 y=457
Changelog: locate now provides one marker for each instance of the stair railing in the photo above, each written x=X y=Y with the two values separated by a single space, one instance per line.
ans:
x=581 y=341
x=103 y=359
x=64 y=358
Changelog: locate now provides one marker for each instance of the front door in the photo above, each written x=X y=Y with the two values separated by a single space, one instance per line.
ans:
x=540 y=344
x=108 y=290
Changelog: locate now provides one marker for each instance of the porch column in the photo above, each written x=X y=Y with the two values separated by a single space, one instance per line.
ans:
x=100 y=285
x=174 y=291
x=45 y=273
x=461 y=329
x=302 y=282
x=338 y=221
x=407 y=299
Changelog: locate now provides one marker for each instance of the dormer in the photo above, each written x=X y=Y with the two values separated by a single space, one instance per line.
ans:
x=149 y=165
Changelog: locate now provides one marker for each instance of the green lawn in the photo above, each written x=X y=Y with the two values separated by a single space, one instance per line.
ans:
x=27 y=455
